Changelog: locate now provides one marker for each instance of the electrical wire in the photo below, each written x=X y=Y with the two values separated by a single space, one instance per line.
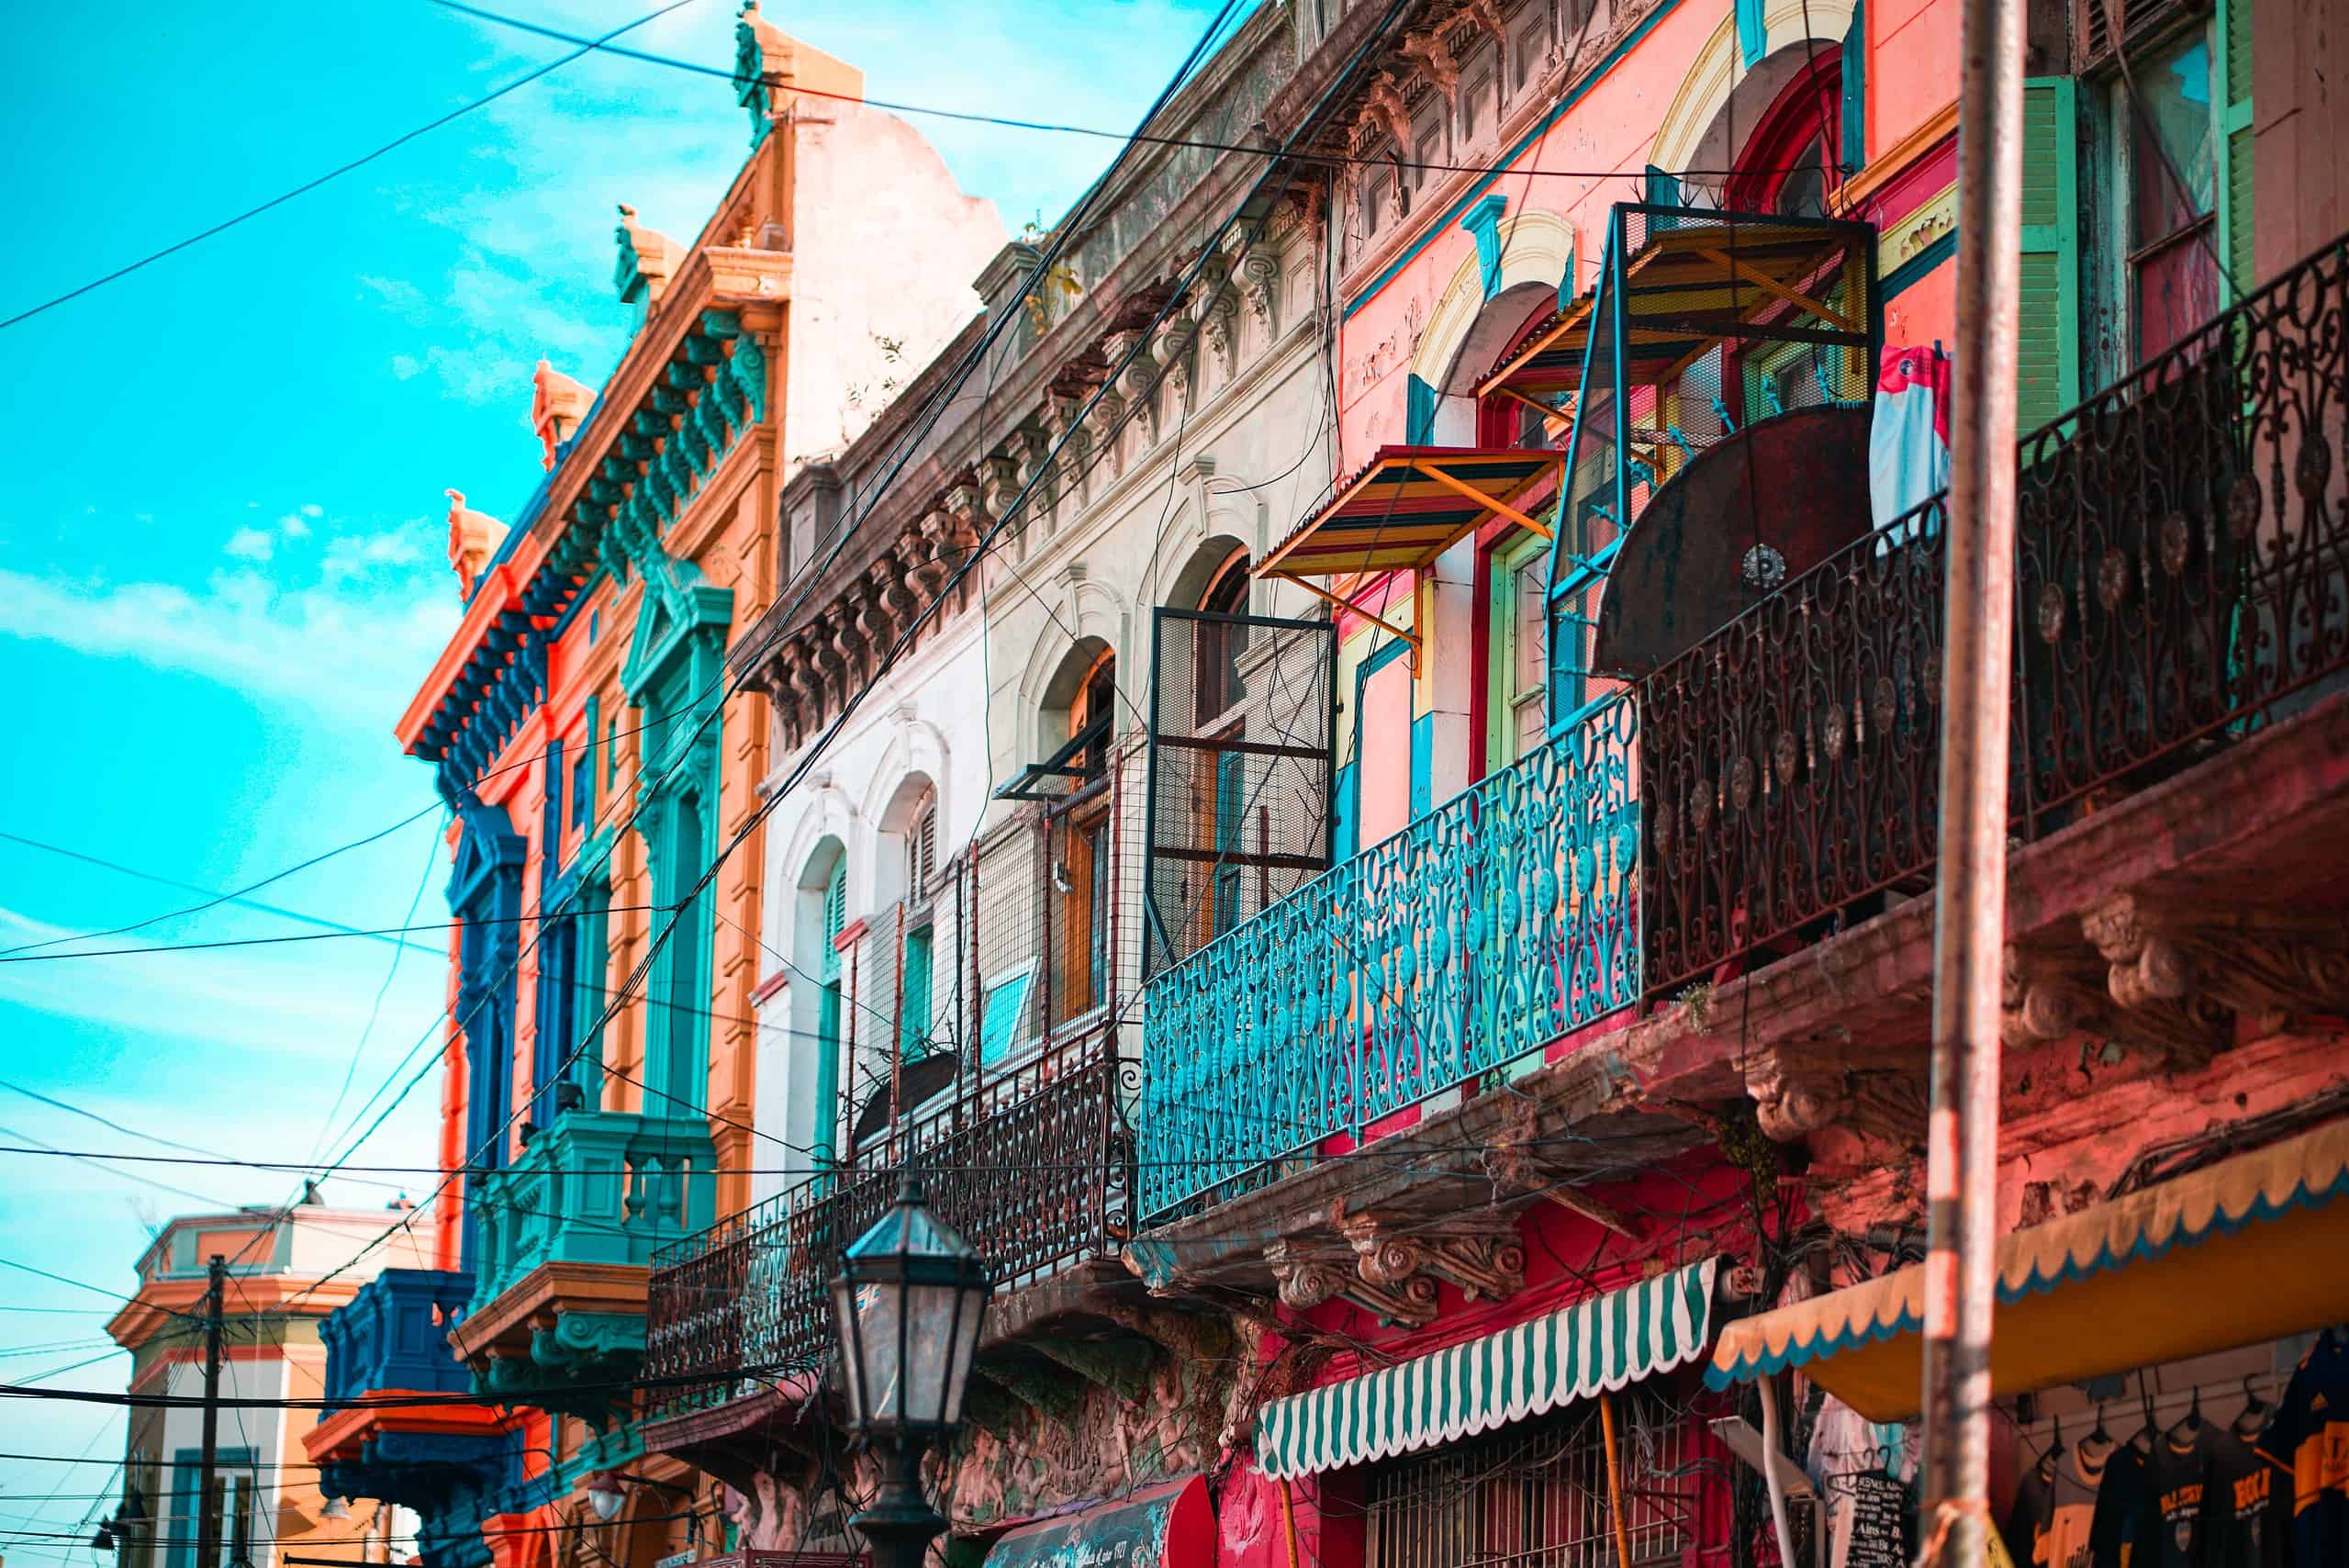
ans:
x=337 y=171
x=1305 y=155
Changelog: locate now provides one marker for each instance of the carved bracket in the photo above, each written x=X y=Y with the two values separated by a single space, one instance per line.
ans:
x=1306 y=1278
x=1484 y=1259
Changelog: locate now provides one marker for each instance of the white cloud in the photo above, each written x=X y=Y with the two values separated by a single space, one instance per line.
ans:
x=337 y=646
x=312 y=510
x=355 y=555
x=251 y=544
x=293 y=525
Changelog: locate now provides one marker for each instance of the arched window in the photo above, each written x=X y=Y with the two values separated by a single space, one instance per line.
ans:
x=1216 y=654
x=1787 y=166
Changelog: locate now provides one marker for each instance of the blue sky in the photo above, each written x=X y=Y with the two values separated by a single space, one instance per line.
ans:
x=223 y=566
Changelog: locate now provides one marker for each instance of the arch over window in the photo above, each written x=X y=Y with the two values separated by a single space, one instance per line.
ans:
x=1789 y=163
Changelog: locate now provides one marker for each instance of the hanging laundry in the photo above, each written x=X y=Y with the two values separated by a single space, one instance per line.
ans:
x=1909 y=438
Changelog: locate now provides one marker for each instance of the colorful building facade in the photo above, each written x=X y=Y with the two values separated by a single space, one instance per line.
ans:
x=1349 y=774
x=287 y=1273
x=603 y=1049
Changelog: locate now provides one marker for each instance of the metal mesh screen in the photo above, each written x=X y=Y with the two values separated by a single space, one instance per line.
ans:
x=1238 y=790
x=1537 y=1496
x=1704 y=323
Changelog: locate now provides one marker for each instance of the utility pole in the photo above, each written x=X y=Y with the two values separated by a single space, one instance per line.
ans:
x=207 y=1529
x=1961 y=1168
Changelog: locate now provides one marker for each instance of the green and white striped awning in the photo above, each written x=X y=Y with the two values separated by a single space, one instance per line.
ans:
x=1592 y=1346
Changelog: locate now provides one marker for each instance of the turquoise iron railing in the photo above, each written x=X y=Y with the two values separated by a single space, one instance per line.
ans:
x=1485 y=930
x=597 y=1187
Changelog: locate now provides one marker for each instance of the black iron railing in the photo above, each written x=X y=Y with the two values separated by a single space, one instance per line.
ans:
x=2182 y=576
x=1033 y=1166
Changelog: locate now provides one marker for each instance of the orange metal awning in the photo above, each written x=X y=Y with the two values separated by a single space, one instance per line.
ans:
x=1688 y=288
x=1407 y=506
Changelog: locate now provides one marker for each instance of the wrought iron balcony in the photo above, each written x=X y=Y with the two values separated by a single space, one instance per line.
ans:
x=1485 y=930
x=1031 y=1165
x=2183 y=576
x=600 y=1187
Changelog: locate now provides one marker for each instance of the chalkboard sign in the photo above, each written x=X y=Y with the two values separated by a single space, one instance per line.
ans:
x=1876 y=1521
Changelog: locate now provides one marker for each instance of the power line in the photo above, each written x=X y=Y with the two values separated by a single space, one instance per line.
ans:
x=313 y=935
x=338 y=171
x=908 y=443
x=217 y=896
x=972 y=116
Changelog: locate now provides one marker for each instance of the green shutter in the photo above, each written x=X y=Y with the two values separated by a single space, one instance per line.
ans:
x=835 y=918
x=914 y=1024
x=2235 y=212
x=2047 y=368
x=1854 y=151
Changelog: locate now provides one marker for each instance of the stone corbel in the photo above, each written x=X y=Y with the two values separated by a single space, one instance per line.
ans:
x=892 y=574
x=1383 y=107
x=1215 y=310
x=1486 y=14
x=1102 y=432
x=1260 y=288
x=1138 y=381
x=1306 y=1278
x=998 y=481
x=875 y=623
x=1175 y=349
x=1794 y=1098
x=1428 y=50
x=2202 y=961
x=1485 y=1260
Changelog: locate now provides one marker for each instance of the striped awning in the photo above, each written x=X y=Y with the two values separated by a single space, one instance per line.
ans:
x=2249 y=1249
x=1410 y=504
x=1592 y=1347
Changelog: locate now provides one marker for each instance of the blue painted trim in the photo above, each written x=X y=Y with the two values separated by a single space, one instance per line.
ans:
x=1423 y=765
x=1418 y=413
x=1483 y=222
x=1379 y=657
x=1915 y=269
x=1343 y=830
x=1753 y=35
x=1800 y=1353
x=1504 y=164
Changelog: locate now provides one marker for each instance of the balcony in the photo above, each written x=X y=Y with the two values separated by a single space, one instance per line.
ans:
x=2182 y=588
x=563 y=1239
x=1032 y=1166
x=453 y=1464
x=1489 y=928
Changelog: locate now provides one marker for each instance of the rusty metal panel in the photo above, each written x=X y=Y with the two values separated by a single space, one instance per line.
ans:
x=1742 y=518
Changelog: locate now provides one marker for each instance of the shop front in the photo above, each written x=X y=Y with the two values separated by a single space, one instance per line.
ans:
x=2170 y=1363
x=1168 y=1526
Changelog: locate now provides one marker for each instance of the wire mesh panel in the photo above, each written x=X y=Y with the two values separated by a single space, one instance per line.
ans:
x=1702 y=324
x=1537 y=1496
x=1238 y=810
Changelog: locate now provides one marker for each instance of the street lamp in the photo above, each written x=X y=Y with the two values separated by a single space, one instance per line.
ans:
x=907 y=1308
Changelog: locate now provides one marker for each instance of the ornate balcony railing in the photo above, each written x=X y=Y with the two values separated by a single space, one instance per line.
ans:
x=1485 y=930
x=2183 y=572
x=1032 y=1165
x=394 y=1333
x=597 y=1187
x=2184 y=546
x=1789 y=763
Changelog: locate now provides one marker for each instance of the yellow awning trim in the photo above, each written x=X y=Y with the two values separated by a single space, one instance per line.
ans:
x=2251 y=1248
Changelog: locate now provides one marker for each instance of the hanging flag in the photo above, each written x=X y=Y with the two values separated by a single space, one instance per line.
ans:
x=1908 y=440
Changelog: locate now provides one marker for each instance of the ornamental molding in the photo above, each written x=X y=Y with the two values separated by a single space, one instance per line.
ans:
x=1482 y=1256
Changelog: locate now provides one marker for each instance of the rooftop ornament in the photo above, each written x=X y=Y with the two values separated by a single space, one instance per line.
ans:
x=474 y=539
x=647 y=258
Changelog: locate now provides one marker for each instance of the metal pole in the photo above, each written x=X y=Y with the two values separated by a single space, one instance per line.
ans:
x=208 y=1526
x=1614 y=1481
x=1970 y=916
x=895 y=1047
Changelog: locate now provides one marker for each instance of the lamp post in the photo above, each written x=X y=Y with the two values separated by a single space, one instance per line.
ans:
x=907 y=1308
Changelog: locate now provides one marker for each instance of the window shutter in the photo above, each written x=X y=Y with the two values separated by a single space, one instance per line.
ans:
x=2048 y=363
x=914 y=1024
x=835 y=918
x=2235 y=217
x=1418 y=413
x=923 y=853
x=1854 y=139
